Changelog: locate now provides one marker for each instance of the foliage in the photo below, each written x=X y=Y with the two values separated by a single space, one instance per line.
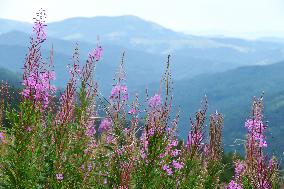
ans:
x=85 y=140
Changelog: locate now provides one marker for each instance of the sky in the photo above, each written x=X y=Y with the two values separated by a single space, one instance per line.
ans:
x=228 y=17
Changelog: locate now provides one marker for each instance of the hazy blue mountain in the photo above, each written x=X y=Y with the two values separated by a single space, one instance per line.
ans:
x=7 y=25
x=231 y=93
x=131 y=32
x=135 y=33
x=126 y=31
x=139 y=64
x=188 y=62
x=272 y=39
x=112 y=27
x=12 y=78
x=12 y=58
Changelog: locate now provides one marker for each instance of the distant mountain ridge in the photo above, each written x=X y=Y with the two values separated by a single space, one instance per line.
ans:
x=132 y=32
x=146 y=45
x=139 y=64
x=7 y=25
x=12 y=78
x=231 y=93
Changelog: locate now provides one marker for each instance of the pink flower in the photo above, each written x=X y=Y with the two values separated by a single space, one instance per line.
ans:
x=132 y=111
x=119 y=90
x=257 y=128
x=239 y=167
x=151 y=132
x=254 y=125
x=155 y=101
x=59 y=176
x=90 y=131
x=97 y=53
x=125 y=97
x=206 y=149
x=105 y=124
x=52 y=75
x=177 y=165
x=174 y=143
x=26 y=93
x=38 y=87
x=86 y=151
x=109 y=139
x=2 y=137
x=90 y=167
x=167 y=169
x=115 y=91
x=262 y=143
x=123 y=89
x=175 y=152
x=39 y=28
x=234 y=185
x=194 y=138
x=143 y=154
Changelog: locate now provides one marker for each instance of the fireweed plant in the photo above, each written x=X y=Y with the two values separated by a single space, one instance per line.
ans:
x=86 y=140
x=256 y=170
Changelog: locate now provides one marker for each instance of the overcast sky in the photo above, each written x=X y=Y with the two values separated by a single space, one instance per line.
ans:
x=213 y=16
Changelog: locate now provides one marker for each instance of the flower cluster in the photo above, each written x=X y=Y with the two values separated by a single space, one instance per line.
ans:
x=260 y=173
x=105 y=124
x=2 y=137
x=97 y=53
x=239 y=167
x=155 y=101
x=234 y=185
x=38 y=87
x=119 y=91
x=38 y=75
x=39 y=26
x=196 y=134
x=59 y=176
x=174 y=153
x=256 y=129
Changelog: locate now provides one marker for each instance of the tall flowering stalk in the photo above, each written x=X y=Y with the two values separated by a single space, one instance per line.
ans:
x=75 y=122
x=28 y=120
x=159 y=151
x=255 y=171
x=215 y=149
x=48 y=147
x=213 y=152
x=196 y=134
x=67 y=99
x=38 y=75
x=126 y=143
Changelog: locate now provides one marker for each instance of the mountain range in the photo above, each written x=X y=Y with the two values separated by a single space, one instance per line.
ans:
x=230 y=71
x=231 y=93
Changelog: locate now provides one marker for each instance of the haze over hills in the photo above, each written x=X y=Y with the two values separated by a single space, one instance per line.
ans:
x=231 y=93
x=131 y=32
x=145 y=44
x=230 y=71
x=7 y=25
x=12 y=78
